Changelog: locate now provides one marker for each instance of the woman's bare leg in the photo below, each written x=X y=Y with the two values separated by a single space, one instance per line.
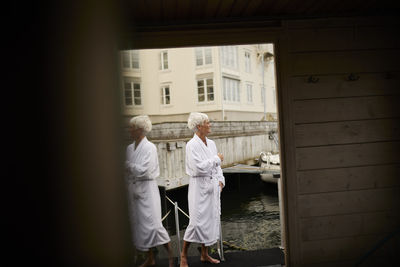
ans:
x=205 y=257
x=184 y=254
x=149 y=260
x=170 y=254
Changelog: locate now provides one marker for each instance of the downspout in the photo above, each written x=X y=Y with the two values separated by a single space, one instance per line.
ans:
x=263 y=86
x=221 y=82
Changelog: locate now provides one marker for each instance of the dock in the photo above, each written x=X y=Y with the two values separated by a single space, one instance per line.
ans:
x=242 y=168
x=272 y=257
x=267 y=173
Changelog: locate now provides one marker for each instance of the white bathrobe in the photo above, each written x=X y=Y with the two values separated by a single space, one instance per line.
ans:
x=204 y=168
x=144 y=197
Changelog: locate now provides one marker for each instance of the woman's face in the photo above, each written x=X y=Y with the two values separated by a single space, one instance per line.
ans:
x=135 y=132
x=205 y=128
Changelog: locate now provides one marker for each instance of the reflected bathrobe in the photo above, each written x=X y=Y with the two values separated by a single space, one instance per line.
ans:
x=144 y=197
x=204 y=168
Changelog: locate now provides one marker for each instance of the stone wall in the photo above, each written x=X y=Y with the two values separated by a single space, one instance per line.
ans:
x=179 y=130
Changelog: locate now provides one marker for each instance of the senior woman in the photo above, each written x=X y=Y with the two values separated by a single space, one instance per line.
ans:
x=203 y=165
x=144 y=197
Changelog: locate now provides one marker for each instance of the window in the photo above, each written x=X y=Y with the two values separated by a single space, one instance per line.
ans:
x=249 y=93
x=229 y=56
x=165 y=95
x=208 y=55
x=203 y=56
x=164 y=60
x=205 y=90
x=132 y=92
x=128 y=93
x=130 y=59
x=231 y=90
x=247 y=62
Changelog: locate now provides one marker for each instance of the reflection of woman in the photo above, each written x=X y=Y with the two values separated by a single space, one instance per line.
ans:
x=203 y=165
x=145 y=206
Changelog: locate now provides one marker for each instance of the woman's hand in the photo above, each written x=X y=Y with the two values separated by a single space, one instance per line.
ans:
x=221 y=185
x=221 y=156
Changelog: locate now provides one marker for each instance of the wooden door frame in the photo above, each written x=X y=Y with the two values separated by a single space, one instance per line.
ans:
x=242 y=33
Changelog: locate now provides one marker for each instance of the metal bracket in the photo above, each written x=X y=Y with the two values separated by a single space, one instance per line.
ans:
x=352 y=77
x=312 y=79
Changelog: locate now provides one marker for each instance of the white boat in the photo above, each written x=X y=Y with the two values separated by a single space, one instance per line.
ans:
x=270 y=169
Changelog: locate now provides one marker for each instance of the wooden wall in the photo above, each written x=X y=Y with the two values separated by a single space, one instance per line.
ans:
x=340 y=119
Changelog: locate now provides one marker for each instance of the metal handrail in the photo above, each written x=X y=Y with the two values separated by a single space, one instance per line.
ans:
x=178 y=207
x=220 y=245
x=178 y=236
x=166 y=215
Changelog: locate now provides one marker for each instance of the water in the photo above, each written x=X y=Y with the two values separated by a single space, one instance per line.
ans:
x=251 y=223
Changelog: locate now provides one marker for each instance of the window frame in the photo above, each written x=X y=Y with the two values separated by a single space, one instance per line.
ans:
x=230 y=94
x=132 y=82
x=230 y=55
x=131 y=54
x=163 y=94
x=247 y=61
x=205 y=90
x=249 y=99
x=162 y=60
x=201 y=52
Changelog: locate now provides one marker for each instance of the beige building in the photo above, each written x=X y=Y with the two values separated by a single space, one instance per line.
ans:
x=224 y=82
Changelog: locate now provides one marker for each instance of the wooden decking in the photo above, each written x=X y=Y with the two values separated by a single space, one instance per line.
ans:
x=241 y=168
x=257 y=258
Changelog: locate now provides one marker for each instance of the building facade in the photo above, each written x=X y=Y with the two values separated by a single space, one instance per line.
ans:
x=226 y=82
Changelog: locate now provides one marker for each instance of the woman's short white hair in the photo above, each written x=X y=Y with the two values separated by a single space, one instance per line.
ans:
x=141 y=122
x=196 y=118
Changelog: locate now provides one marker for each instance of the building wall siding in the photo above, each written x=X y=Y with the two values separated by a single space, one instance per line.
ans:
x=345 y=138
x=182 y=75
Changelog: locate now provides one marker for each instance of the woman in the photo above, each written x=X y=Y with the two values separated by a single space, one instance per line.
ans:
x=145 y=206
x=203 y=165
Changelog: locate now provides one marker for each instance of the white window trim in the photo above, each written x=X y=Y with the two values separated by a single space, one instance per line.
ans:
x=247 y=93
x=162 y=68
x=133 y=82
x=162 y=88
x=249 y=61
x=206 y=101
x=203 y=56
x=232 y=102
x=225 y=56
x=130 y=52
